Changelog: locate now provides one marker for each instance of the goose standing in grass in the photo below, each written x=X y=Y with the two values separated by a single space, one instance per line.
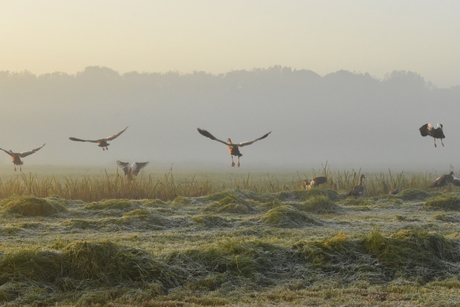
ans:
x=359 y=189
x=101 y=142
x=443 y=180
x=131 y=170
x=233 y=149
x=16 y=156
x=314 y=182
x=435 y=133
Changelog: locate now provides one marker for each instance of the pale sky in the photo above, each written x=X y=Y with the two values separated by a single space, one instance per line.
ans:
x=365 y=36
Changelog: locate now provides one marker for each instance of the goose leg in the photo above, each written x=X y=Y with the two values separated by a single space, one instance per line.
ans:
x=434 y=142
x=238 y=161
x=233 y=162
x=442 y=143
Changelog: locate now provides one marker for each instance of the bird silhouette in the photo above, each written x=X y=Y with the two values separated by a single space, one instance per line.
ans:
x=359 y=189
x=16 y=156
x=435 y=133
x=443 y=180
x=394 y=190
x=233 y=149
x=133 y=169
x=101 y=142
x=314 y=182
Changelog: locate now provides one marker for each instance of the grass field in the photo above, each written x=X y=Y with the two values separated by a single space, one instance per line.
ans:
x=221 y=239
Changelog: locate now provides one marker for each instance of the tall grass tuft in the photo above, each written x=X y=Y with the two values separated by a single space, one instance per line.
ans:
x=170 y=186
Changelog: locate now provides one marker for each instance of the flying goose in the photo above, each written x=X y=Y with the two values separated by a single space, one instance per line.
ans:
x=101 y=142
x=233 y=149
x=133 y=169
x=456 y=181
x=314 y=182
x=359 y=189
x=443 y=180
x=435 y=133
x=16 y=156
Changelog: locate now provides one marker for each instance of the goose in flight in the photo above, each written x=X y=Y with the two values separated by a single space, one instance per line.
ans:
x=435 y=133
x=443 y=180
x=101 y=142
x=16 y=156
x=233 y=149
x=314 y=182
x=133 y=169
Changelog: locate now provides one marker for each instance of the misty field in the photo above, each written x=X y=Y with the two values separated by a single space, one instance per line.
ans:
x=227 y=239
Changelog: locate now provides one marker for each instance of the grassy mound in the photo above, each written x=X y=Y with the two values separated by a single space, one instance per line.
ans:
x=146 y=219
x=224 y=260
x=231 y=204
x=443 y=202
x=211 y=221
x=408 y=254
x=123 y=205
x=303 y=195
x=413 y=252
x=30 y=206
x=288 y=216
x=237 y=194
x=413 y=194
x=319 y=204
x=111 y=264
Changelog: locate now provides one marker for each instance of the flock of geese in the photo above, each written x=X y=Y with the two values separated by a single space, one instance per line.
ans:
x=133 y=169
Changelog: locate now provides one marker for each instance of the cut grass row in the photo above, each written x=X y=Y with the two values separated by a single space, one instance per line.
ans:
x=67 y=272
x=232 y=247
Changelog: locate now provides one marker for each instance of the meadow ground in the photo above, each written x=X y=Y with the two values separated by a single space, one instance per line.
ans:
x=234 y=240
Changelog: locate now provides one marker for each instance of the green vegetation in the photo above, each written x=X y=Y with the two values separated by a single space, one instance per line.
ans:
x=232 y=247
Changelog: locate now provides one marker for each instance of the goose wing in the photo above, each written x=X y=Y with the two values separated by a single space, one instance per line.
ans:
x=80 y=140
x=112 y=137
x=138 y=166
x=209 y=135
x=26 y=153
x=6 y=151
x=319 y=180
x=250 y=142
x=456 y=181
x=424 y=130
x=124 y=166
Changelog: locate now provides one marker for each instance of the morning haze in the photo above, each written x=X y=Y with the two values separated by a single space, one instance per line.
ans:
x=344 y=118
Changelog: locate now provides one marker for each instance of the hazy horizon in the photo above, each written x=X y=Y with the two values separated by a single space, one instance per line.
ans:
x=372 y=37
x=346 y=119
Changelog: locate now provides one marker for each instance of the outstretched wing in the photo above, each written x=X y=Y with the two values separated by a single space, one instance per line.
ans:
x=124 y=166
x=319 y=180
x=7 y=151
x=80 y=140
x=115 y=135
x=138 y=166
x=26 y=153
x=424 y=130
x=250 y=142
x=209 y=135
x=456 y=181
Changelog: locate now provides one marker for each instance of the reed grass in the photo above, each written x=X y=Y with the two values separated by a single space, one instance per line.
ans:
x=169 y=185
